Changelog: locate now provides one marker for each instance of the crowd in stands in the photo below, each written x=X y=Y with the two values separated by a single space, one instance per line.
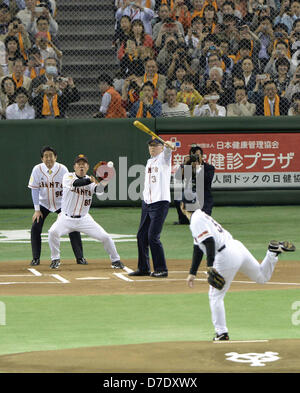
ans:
x=205 y=58
x=31 y=84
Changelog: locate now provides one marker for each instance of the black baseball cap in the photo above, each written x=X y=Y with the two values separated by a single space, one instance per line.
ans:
x=81 y=157
x=155 y=140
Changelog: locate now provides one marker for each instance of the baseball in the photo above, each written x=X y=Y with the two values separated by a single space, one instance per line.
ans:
x=110 y=164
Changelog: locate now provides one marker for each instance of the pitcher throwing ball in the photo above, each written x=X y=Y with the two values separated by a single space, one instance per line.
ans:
x=225 y=257
x=78 y=190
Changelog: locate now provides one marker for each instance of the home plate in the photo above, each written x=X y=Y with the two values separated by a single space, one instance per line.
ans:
x=92 y=278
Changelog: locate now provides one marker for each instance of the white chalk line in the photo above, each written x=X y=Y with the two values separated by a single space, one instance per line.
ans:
x=122 y=277
x=239 y=341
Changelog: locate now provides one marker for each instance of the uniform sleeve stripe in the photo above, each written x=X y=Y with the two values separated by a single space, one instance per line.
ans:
x=202 y=234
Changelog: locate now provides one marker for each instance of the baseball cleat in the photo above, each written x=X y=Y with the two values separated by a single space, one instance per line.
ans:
x=81 y=261
x=159 y=274
x=139 y=273
x=117 y=265
x=221 y=337
x=279 y=247
x=55 y=264
x=35 y=262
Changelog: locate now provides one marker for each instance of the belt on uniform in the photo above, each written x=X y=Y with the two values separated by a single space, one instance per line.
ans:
x=221 y=248
x=73 y=216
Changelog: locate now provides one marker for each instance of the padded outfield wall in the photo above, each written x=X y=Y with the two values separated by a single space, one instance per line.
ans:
x=119 y=141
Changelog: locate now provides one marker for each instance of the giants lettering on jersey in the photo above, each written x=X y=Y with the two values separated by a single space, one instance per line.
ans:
x=81 y=191
x=50 y=184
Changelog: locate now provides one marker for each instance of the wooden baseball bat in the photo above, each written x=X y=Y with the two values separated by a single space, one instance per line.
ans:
x=147 y=130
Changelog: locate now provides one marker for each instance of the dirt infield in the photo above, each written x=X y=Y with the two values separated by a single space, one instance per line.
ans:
x=97 y=278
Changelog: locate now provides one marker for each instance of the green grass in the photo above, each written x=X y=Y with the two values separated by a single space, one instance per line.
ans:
x=55 y=322
x=254 y=226
x=48 y=323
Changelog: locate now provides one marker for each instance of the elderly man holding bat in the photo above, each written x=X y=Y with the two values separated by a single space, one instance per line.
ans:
x=155 y=206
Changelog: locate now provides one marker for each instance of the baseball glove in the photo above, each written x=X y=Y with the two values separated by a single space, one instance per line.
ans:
x=215 y=279
x=99 y=172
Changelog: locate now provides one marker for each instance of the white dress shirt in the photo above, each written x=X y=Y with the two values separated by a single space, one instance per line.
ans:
x=13 y=112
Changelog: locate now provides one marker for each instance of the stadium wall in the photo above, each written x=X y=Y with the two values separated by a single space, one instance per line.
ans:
x=110 y=139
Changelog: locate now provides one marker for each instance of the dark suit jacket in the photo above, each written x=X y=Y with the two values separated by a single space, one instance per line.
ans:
x=209 y=171
x=63 y=101
x=284 y=106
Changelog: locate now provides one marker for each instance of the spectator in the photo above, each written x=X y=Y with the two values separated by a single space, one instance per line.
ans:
x=51 y=72
x=179 y=76
x=279 y=52
x=295 y=107
x=16 y=29
x=166 y=25
x=131 y=64
x=294 y=85
x=29 y=13
x=52 y=102
x=18 y=76
x=181 y=13
x=145 y=3
x=169 y=28
x=137 y=11
x=12 y=52
x=271 y=104
x=248 y=74
x=241 y=106
x=246 y=34
x=266 y=37
x=214 y=60
x=180 y=57
x=197 y=9
x=295 y=35
x=289 y=12
x=122 y=34
x=111 y=103
x=188 y=94
x=21 y=109
x=281 y=77
x=209 y=106
x=172 y=108
x=7 y=96
x=35 y=66
x=210 y=19
x=229 y=8
x=5 y=17
x=216 y=77
x=151 y=74
x=166 y=55
x=147 y=106
x=130 y=93
x=138 y=35
x=229 y=32
x=46 y=47
x=245 y=50
x=45 y=24
x=194 y=34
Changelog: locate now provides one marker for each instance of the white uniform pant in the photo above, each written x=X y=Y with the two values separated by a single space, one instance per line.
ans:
x=236 y=257
x=64 y=225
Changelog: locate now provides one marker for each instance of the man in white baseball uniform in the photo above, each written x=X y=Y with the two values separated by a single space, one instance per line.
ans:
x=46 y=191
x=78 y=190
x=226 y=256
x=155 y=207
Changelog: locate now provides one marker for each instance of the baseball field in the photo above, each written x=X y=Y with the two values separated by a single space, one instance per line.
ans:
x=96 y=319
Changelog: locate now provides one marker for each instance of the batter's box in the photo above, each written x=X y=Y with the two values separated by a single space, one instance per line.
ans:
x=34 y=277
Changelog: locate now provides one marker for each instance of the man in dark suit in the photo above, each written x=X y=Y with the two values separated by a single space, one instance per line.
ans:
x=201 y=173
x=271 y=104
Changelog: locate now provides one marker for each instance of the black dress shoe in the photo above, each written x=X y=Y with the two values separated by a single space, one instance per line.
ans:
x=139 y=273
x=81 y=261
x=35 y=262
x=159 y=274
